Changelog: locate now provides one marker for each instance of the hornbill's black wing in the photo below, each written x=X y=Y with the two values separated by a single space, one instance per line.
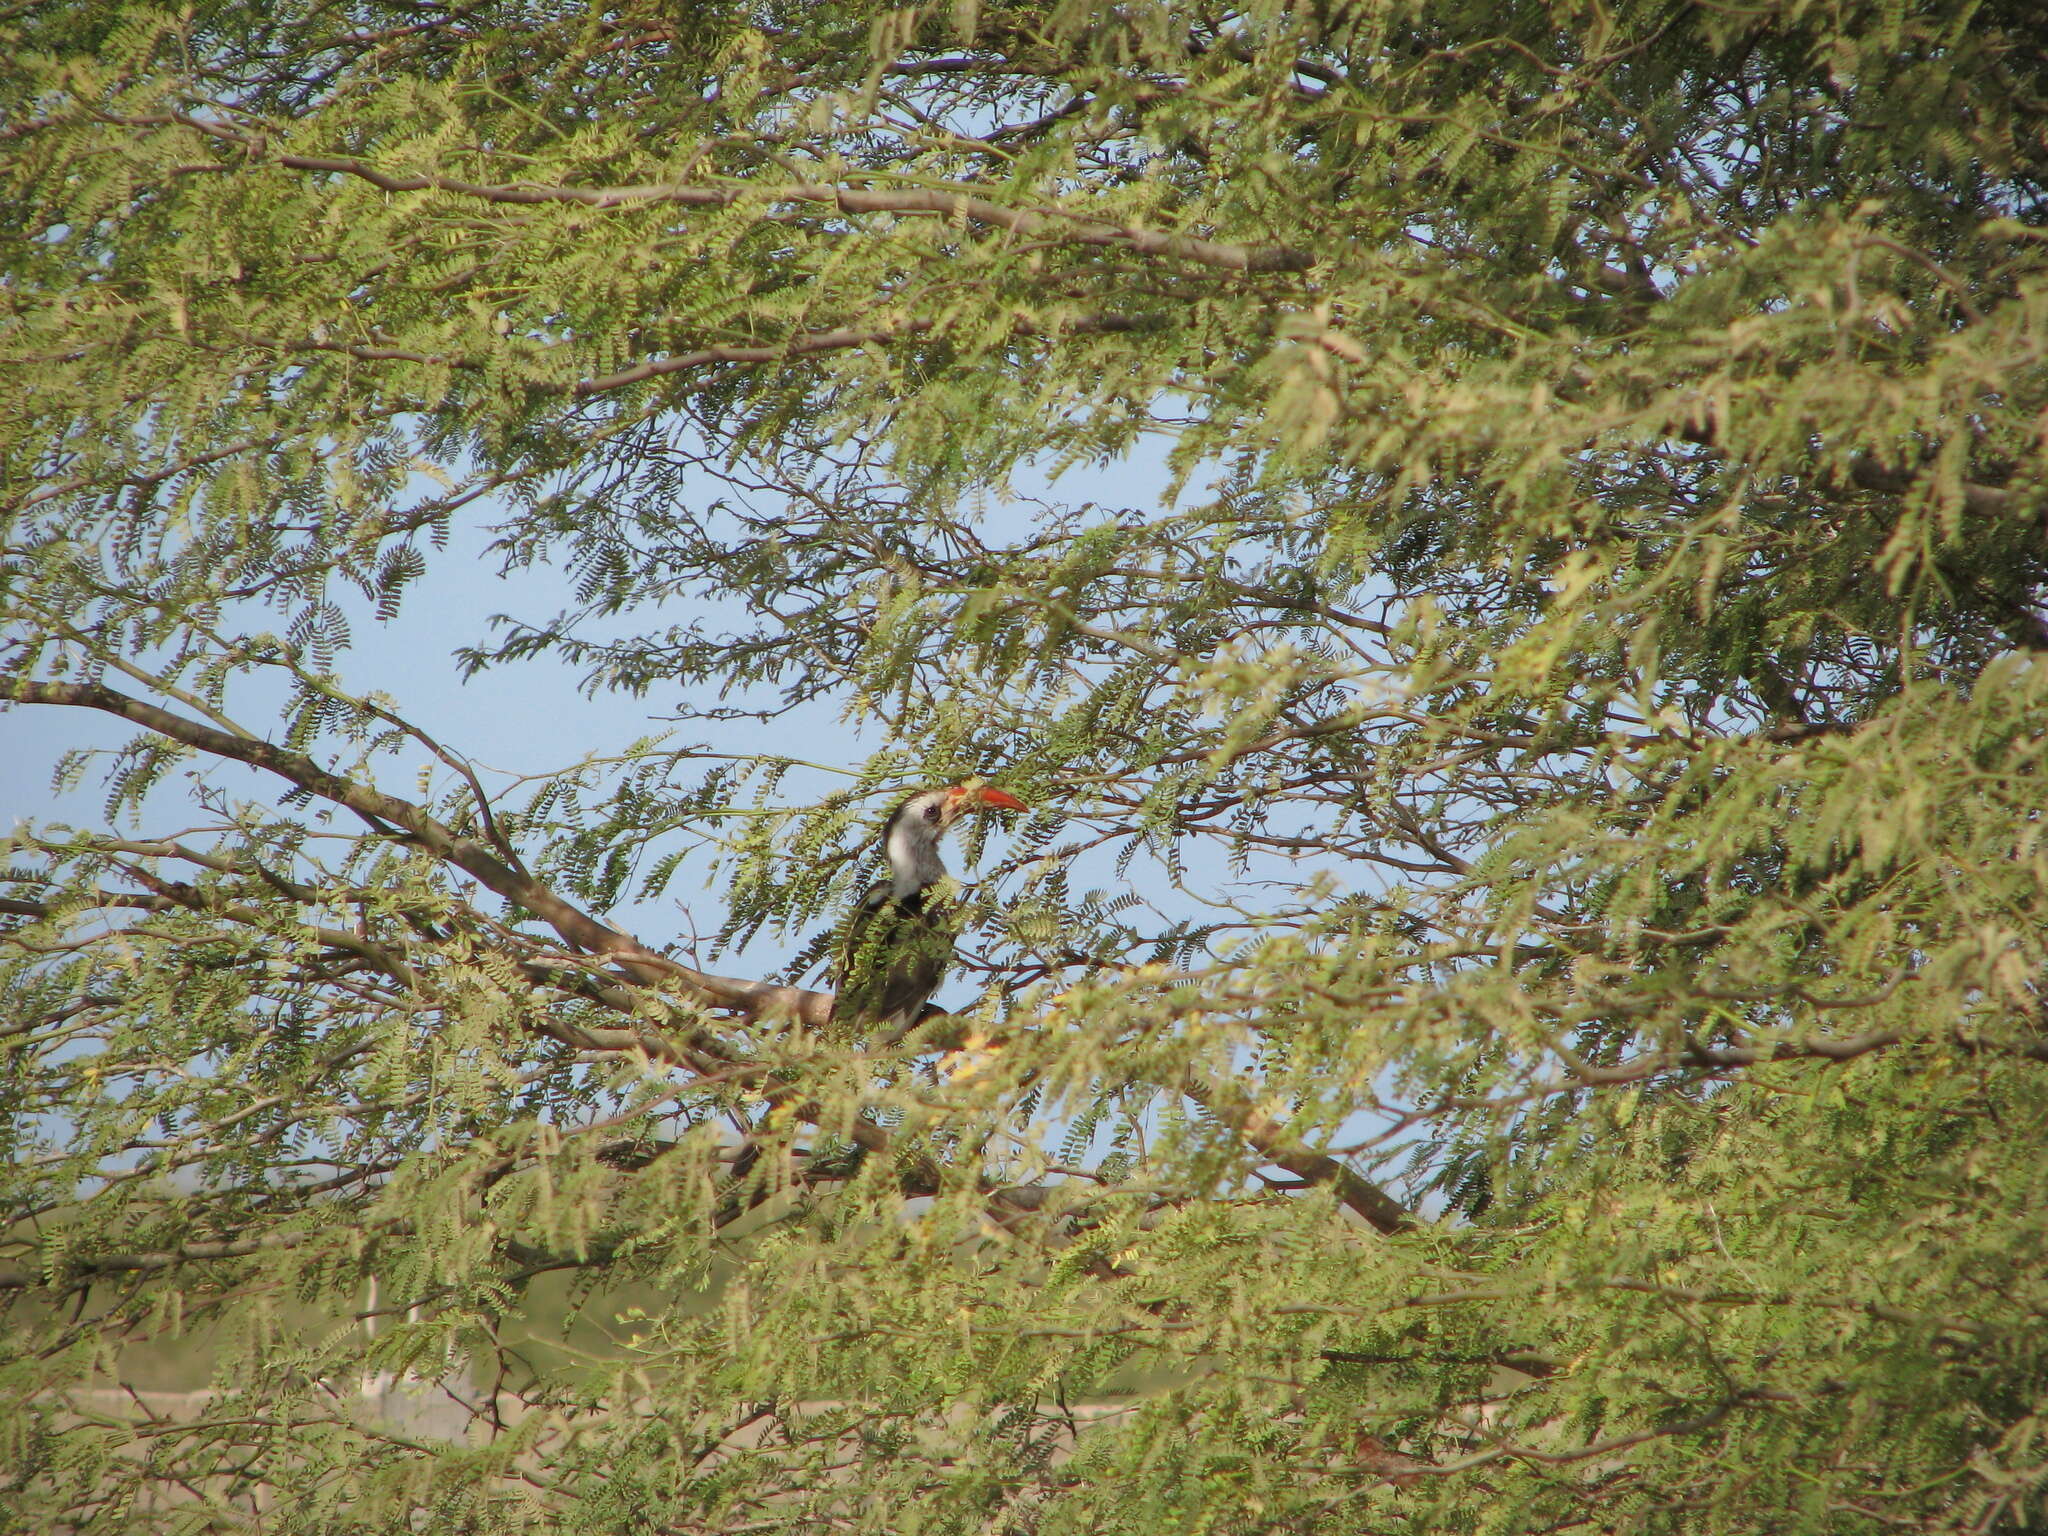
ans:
x=892 y=957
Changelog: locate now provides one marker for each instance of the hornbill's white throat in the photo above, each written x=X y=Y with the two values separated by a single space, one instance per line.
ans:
x=898 y=943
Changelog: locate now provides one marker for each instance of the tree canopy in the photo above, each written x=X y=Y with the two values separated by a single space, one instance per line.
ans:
x=1517 y=1005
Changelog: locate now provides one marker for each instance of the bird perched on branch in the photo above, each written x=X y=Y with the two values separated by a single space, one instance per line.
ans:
x=899 y=939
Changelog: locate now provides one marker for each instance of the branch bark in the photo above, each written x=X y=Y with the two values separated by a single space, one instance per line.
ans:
x=1056 y=225
x=578 y=928
x=1814 y=1048
x=1360 y=1195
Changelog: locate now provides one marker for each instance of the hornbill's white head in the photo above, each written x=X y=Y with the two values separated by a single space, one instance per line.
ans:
x=911 y=838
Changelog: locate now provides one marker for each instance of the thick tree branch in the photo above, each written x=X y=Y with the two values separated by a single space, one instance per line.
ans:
x=803 y=345
x=1894 y=480
x=13 y=1278
x=702 y=357
x=1364 y=1198
x=1056 y=225
x=1868 y=474
x=1813 y=1048
x=577 y=927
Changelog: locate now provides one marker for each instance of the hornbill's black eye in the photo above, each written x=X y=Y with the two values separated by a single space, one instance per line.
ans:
x=931 y=812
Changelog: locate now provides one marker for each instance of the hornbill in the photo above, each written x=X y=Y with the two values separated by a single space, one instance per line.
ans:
x=899 y=940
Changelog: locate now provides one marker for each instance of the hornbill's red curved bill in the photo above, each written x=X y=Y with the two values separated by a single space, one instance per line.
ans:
x=898 y=940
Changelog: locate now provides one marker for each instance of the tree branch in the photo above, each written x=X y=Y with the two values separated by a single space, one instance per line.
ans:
x=577 y=927
x=1056 y=225
x=1364 y=1198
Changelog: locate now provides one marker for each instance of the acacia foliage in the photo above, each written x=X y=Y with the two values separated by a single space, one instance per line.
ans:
x=1605 y=584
